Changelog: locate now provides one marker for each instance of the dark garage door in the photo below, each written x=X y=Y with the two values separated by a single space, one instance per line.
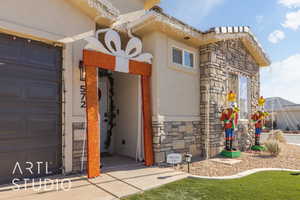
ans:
x=29 y=108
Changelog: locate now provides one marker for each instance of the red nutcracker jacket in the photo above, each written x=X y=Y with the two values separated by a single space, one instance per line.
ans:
x=258 y=119
x=229 y=117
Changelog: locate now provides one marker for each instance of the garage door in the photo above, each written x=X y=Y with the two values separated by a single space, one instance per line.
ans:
x=30 y=107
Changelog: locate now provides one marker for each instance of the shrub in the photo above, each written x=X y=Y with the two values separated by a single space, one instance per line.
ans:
x=278 y=136
x=273 y=147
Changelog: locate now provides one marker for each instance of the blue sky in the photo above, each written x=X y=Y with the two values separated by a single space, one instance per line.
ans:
x=276 y=23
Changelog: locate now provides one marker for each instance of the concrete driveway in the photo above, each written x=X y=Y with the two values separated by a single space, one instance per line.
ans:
x=109 y=186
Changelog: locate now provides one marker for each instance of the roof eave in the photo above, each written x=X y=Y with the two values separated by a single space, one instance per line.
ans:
x=101 y=11
x=247 y=37
x=150 y=3
x=153 y=21
x=179 y=30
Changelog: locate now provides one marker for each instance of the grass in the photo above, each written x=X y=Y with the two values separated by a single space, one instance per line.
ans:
x=270 y=185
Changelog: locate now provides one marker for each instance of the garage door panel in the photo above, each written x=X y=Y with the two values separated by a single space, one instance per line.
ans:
x=42 y=154
x=10 y=89
x=38 y=126
x=43 y=56
x=9 y=48
x=12 y=126
x=30 y=107
x=46 y=108
x=41 y=91
x=11 y=106
x=24 y=72
x=16 y=164
x=33 y=143
x=8 y=162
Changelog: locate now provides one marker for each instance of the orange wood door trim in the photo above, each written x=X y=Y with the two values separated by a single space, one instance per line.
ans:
x=93 y=130
x=98 y=59
x=147 y=121
x=105 y=61
x=93 y=60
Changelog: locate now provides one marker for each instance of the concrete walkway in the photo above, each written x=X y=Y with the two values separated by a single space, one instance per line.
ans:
x=109 y=186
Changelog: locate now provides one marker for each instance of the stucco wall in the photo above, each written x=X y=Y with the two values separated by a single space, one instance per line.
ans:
x=52 y=21
x=175 y=89
x=175 y=99
x=49 y=19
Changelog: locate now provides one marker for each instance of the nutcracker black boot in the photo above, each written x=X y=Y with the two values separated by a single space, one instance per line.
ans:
x=256 y=141
x=227 y=147
x=231 y=145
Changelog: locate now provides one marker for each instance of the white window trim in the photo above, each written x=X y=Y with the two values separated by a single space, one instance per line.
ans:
x=183 y=57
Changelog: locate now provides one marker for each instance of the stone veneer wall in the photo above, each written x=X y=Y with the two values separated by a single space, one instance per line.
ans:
x=79 y=144
x=216 y=61
x=175 y=137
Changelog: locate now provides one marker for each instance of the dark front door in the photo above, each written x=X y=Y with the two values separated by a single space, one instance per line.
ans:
x=30 y=108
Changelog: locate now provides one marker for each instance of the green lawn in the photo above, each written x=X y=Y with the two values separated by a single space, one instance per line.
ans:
x=261 y=186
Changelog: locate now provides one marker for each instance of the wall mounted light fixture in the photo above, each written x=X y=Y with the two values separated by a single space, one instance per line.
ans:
x=82 y=71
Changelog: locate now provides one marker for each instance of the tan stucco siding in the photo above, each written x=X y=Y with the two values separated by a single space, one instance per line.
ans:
x=49 y=19
x=175 y=89
x=151 y=45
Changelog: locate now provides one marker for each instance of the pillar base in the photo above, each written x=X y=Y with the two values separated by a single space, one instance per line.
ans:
x=258 y=148
x=231 y=154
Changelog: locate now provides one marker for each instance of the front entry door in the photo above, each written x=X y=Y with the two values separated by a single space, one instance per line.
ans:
x=104 y=106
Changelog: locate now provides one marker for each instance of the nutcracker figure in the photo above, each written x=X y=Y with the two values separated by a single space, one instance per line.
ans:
x=230 y=118
x=258 y=119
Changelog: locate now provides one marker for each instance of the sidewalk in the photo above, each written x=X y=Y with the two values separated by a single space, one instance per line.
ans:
x=109 y=186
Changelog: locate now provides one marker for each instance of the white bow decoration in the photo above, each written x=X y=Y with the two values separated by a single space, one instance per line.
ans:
x=133 y=50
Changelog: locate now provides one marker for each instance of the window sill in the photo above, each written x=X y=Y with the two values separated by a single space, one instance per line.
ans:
x=183 y=69
x=244 y=120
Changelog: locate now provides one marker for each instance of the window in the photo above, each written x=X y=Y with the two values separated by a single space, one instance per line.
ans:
x=182 y=57
x=239 y=85
x=188 y=59
x=177 y=56
x=243 y=97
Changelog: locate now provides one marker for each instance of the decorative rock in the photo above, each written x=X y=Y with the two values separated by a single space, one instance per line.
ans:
x=226 y=161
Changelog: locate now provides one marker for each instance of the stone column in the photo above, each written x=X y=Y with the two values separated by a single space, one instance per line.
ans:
x=212 y=84
x=217 y=60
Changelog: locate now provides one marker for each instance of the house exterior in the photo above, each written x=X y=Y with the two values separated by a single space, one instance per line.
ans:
x=43 y=106
x=284 y=113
